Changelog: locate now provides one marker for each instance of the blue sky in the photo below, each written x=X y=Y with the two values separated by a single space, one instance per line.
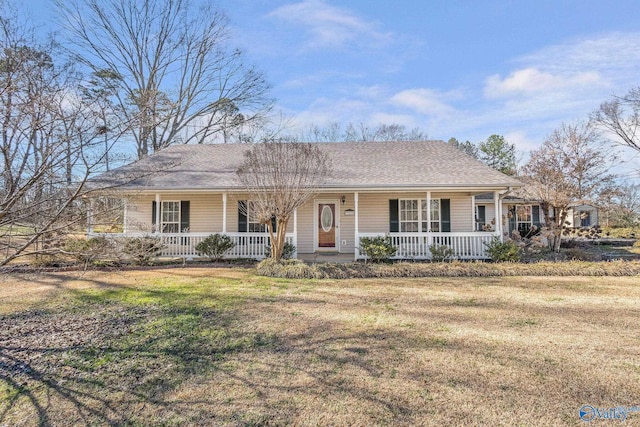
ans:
x=466 y=69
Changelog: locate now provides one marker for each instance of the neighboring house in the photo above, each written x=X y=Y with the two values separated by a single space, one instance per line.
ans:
x=418 y=193
x=521 y=212
x=582 y=215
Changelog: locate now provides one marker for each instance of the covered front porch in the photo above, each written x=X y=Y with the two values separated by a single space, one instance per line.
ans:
x=332 y=223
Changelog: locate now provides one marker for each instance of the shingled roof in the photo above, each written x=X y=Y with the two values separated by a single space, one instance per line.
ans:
x=357 y=165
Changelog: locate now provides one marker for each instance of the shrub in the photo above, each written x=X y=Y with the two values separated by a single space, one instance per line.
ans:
x=289 y=269
x=287 y=252
x=441 y=253
x=377 y=249
x=87 y=250
x=295 y=269
x=143 y=249
x=215 y=246
x=500 y=251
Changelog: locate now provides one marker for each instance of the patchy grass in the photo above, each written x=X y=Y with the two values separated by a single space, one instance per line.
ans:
x=198 y=346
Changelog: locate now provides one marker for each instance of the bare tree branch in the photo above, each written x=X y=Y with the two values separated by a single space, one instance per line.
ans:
x=280 y=177
x=179 y=79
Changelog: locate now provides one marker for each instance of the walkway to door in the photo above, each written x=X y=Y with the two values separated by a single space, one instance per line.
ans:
x=326 y=257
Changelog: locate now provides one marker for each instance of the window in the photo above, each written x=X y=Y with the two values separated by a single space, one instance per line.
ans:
x=409 y=216
x=524 y=219
x=170 y=217
x=585 y=219
x=435 y=215
x=414 y=219
x=253 y=223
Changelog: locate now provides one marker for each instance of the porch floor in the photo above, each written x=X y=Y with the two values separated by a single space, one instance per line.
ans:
x=326 y=257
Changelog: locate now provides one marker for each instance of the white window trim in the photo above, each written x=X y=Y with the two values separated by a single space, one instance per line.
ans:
x=262 y=227
x=519 y=221
x=420 y=219
x=162 y=210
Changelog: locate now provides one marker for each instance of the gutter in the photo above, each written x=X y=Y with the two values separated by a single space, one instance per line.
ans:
x=501 y=196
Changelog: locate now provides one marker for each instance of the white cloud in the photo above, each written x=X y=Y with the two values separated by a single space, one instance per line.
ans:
x=425 y=101
x=330 y=26
x=531 y=81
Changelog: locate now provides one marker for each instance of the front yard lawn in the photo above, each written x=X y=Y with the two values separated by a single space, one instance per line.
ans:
x=198 y=346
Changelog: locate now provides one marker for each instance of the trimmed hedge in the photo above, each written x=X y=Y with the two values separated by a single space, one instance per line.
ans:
x=296 y=269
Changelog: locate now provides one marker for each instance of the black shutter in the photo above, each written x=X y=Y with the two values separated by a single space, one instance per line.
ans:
x=184 y=215
x=274 y=223
x=154 y=206
x=482 y=217
x=242 y=216
x=445 y=214
x=394 y=222
x=535 y=215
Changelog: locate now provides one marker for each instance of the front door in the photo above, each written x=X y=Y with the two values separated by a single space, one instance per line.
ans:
x=327 y=225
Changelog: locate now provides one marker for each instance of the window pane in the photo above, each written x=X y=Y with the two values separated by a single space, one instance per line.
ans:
x=409 y=216
x=523 y=213
x=170 y=217
x=435 y=210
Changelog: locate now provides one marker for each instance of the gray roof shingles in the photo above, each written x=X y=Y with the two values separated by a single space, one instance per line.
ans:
x=354 y=165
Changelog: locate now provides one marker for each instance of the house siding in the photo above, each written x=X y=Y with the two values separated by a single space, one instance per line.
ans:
x=205 y=212
x=374 y=210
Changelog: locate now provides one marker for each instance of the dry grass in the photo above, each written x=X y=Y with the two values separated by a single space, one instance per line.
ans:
x=296 y=269
x=225 y=347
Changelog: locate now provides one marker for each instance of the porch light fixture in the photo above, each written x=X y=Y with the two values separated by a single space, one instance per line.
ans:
x=343 y=199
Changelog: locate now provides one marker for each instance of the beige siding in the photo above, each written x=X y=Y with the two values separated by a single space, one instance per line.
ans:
x=374 y=210
x=205 y=212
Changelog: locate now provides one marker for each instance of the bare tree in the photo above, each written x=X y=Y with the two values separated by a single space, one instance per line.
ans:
x=48 y=143
x=178 y=79
x=621 y=117
x=621 y=208
x=332 y=132
x=280 y=177
x=569 y=167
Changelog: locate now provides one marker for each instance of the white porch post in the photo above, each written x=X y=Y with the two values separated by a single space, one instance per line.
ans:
x=356 y=237
x=473 y=213
x=498 y=213
x=429 y=237
x=90 y=217
x=224 y=212
x=295 y=231
x=125 y=219
x=158 y=216
x=428 y=213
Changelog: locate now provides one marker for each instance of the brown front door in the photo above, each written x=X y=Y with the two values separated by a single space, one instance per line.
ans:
x=326 y=225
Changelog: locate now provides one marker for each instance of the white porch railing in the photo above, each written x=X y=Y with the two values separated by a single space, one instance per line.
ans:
x=416 y=245
x=183 y=245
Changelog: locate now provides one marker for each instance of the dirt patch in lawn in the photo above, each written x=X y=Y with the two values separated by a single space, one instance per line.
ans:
x=224 y=347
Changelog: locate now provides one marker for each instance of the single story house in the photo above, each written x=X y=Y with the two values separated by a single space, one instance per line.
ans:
x=582 y=215
x=418 y=193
